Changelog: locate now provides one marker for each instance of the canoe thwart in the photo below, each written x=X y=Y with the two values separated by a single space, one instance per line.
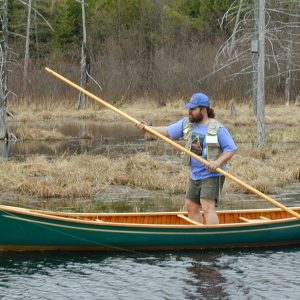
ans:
x=189 y=220
x=264 y=218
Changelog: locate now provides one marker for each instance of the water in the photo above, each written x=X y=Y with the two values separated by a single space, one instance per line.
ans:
x=100 y=138
x=265 y=274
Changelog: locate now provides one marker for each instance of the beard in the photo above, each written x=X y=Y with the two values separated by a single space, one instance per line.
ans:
x=196 y=119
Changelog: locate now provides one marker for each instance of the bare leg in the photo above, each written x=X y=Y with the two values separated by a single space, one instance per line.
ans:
x=193 y=210
x=209 y=211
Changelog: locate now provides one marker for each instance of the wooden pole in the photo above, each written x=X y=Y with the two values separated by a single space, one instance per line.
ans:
x=179 y=147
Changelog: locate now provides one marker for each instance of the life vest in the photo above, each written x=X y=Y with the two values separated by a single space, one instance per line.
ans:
x=211 y=140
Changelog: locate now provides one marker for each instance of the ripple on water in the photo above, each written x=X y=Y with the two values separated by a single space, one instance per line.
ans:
x=265 y=274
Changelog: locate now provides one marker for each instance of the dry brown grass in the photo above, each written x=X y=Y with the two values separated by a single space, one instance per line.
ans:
x=247 y=134
x=148 y=109
x=38 y=133
x=84 y=176
x=265 y=169
x=70 y=177
x=283 y=122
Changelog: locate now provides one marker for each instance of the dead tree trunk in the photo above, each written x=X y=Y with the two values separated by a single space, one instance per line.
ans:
x=235 y=28
x=288 y=72
x=261 y=76
x=254 y=49
x=4 y=133
x=289 y=64
x=26 y=57
x=36 y=32
x=85 y=62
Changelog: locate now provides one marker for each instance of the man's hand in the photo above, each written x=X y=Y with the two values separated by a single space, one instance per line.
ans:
x=222 y=159
x=141 y=126
x=213 y=165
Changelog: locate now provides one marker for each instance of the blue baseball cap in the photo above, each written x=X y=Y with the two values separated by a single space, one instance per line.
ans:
x=198 y=99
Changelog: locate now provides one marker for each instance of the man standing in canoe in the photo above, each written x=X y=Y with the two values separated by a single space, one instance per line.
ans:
x=208 y=138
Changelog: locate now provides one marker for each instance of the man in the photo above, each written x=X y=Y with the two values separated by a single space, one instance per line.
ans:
x=209 y=139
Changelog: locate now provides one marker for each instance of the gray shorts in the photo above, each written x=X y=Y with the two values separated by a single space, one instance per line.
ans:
x=209 y=188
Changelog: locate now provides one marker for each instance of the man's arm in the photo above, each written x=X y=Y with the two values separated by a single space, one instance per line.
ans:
x=161 y=130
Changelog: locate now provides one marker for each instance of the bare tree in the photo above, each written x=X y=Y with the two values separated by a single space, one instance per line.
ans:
x=273 y=30
x=254 y=50
x=4 y=132
x=30 y=8
x=26 y=56
x=261 y=75
x=85 y=61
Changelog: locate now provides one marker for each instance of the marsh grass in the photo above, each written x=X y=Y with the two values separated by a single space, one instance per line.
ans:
x=247 y=134
x=266 y=169
x=64 y=177
x=283 y=122
x=38 y=133
x=149 y=110
x=85 y=176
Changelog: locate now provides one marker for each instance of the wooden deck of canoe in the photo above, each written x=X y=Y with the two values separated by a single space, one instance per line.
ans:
x=36 y=230
x=226 y=217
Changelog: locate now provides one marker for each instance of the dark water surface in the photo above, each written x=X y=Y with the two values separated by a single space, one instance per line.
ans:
x=99 y=138
x=91 y=137
x=260 y=274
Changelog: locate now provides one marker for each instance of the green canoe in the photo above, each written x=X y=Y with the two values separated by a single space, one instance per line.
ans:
x=37 y=230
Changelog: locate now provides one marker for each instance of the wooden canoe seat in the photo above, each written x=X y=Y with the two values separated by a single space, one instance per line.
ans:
x=262 y=219
x=189 y=220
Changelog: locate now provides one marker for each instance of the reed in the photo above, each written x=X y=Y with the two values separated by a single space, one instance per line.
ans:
x=149 y=110
x=38 y=134
x=266 y=169
x=85 y=175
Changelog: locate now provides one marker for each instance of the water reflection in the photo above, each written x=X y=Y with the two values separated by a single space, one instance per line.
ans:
x=259 y=274
x=80 y=137
x=206 y=278
x=134 y=275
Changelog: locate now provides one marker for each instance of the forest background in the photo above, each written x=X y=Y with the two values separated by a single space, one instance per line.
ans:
x=157 y=49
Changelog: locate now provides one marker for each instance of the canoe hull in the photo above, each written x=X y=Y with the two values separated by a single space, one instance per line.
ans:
x=28 y=232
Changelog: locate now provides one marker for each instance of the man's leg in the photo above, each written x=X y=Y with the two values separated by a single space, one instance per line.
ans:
x=209 y=211
x=193 y=210
x=210 y=195
x=192 y=202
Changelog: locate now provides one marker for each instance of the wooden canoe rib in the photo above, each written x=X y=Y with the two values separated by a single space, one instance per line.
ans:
x=26 y=229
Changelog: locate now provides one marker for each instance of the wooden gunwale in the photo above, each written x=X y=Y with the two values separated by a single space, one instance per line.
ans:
x=66 y=217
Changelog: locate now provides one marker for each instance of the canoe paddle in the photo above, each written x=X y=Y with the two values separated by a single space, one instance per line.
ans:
x=179 y=147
